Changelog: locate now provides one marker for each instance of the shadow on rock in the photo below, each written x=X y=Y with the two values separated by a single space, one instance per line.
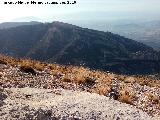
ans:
x=2 y=97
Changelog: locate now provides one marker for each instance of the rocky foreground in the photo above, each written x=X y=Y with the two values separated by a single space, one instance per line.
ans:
x=33 y=90
x=47 y=104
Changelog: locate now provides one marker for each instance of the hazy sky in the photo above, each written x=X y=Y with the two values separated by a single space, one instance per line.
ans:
x=83 y=10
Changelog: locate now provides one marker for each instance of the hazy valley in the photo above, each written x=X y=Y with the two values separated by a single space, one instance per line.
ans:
x=147 y=32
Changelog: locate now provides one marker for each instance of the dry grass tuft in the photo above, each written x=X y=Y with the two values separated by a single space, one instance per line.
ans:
x=23 y=63
x=32 y=64
x=89 y=80
x=142 y=82
x=39 y=66
x=148 y=82
x=153 y=98
x=66 y=79
x=103 y=90
x=126 y=96
x=3 y=62
x=28 y=69
x=129 y=80
x=80 y=79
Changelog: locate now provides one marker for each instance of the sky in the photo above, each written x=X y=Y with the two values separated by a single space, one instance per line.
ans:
x=83 y=10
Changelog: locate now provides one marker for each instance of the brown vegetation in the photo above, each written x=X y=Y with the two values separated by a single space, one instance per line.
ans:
x=102 y=90
x=74 y=77
x=127 y=96
x=27 y=69
x=153 y=98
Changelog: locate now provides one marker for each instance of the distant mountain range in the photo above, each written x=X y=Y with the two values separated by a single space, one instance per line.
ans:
x=145 y=32
x=16 y=24
x=69 y=44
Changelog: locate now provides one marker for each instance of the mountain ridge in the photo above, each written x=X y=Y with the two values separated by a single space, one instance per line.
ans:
x=6 y=25
x=69 y=44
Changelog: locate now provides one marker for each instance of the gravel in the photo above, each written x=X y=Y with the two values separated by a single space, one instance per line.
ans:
x=46 y=104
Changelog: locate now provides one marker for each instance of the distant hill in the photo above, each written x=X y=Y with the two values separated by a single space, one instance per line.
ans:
x=68 y=44
x=16 y=24
x=145 y=32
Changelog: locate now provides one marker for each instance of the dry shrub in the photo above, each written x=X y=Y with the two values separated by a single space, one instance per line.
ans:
x=129 y=80
x=103 y=90
x=9 y=60
x=142 y=81
x=28 y=69
x=121 y=78
x=126 y=96
x=26 y=63
x=153 y=98
x=27 y=66
x=111 y=76
x=84 y=78
x=3 y=62
x=80 y=79
x=80 y=75
x=52 y=66
x=39 y=66
x=59 y=68
x=89 y=81
x=105 y=81
x=66 y=79
x=154 y=83
x=64 y=69
x=12 y=62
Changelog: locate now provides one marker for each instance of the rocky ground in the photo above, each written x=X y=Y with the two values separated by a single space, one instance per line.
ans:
x=47 y=104
x=66 y=92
